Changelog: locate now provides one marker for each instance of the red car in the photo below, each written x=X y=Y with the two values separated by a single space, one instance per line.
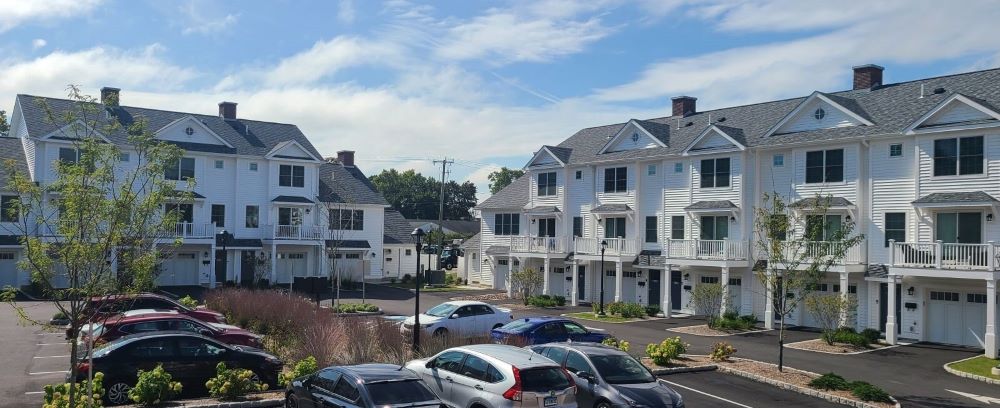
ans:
x=148 y=320
x=115 y=304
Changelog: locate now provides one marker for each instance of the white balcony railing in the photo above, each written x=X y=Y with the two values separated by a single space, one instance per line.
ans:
x=191 y=230
x=539 y=245
x=296 y=232
x=707 y=249
x=940 y=255
x=615 y=247
x=822 y=251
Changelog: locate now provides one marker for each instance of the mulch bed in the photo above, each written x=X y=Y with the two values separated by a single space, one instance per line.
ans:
x=704 y=330
x=269 y=395
x=685 y=361
x=484 y=298
x=837 y=348
x=789 y=375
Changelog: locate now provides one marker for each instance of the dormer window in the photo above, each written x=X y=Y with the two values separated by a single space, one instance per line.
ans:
x=819 y=114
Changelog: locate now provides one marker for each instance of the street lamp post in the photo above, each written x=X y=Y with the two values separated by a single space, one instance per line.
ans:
x=417 y=235
x=604 y=245
x=225 y=256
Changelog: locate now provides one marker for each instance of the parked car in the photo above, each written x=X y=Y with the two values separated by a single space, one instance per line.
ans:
x=496 y=376
x=121 y=303
x=607 y=377
x=545 y=329
x=189 y=357
x=365 y=385
x=460 y=318
x=151 y=320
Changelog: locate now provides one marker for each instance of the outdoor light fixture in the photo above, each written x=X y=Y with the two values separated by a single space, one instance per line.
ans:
x=732 y=218
x=848 y=218
x=533 y=220
x=687 y=276
x=989 y=217
x=910 y=291
x=604 y=246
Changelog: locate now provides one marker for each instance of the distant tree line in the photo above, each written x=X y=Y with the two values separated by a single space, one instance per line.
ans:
x=416 y=196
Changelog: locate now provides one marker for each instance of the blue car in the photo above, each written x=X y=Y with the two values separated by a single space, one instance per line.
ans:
x=541 y=330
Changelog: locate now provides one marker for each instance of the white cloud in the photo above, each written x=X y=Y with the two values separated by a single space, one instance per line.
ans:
x=38 y=43
x=17 y=12
x=345 y=11
x=199 y=19
x=480 y=177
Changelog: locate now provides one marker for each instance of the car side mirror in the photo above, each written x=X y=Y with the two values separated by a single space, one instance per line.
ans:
x=204 y=332
x=454 y=316
x=430 y=364
x=587 y=376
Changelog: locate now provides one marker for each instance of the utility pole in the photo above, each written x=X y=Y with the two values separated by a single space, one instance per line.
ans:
x=444 y=171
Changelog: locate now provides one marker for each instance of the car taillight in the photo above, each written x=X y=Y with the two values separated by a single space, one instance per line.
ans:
x=570 y=379
x=83 y=368
x=514 y=393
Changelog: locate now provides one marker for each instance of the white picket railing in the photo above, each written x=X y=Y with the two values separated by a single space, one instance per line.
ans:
x=296 y=232
x=708 y=249
x=542 y=245
x=191 y=230
x=823 y=250
x=615 y=246
x=942 y=255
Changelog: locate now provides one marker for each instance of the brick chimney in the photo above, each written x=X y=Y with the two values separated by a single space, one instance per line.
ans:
x=867 y=76
x=346 y=157
x=227 y=110
x=683 y=105
x=109 y=96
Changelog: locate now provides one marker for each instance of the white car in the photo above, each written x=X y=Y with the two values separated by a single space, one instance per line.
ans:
x=460 y=318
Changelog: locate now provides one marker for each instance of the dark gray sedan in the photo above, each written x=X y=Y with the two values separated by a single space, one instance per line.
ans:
x=360 y=386
x=609 y=378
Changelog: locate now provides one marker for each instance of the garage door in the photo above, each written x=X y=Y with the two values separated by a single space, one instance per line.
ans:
x=291 y=264
x=8 y=270
x=808 y=319
x=350 y=267
x=956 y=318
x=736 y=296
x=179 y=270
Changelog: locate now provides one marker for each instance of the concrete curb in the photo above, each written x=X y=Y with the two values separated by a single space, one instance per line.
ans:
x=680 y=330
x=678 y=370
x=970 y=376
x=795 y=346
x=570 y=316
x=263 y=403
x=801 y=390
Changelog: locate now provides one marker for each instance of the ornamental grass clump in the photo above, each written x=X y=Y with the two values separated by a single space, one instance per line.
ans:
x=668 y=349
x=154 y=387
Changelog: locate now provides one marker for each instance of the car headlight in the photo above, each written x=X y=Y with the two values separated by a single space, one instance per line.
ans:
x=427 y=325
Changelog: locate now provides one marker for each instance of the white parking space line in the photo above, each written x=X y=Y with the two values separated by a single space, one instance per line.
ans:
x=49 y=372
x=52 y=344
x=34 y=392
x=51 y=356
x=706 y=394
x=51 y=334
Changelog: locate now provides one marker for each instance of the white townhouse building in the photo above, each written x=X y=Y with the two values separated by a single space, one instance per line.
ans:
x=261 y=190
x=916 y=165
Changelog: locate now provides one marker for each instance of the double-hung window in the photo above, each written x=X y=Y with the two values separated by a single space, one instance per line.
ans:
x=185 y=212
x=825 y=166
x=577 y=226
x=823 y=227
x=252 y=216
x=614 y=227
x=219 y=215
x=182 y=169
x=677 y=227
x=291 y=176
x=895 y=227
x=69 y=155
x=507 y=224
x=715 y=173
x=547 y=184
x=651 y=235
x=341 y=219
x=7 y=207
x=958 y=156
x=616 y=180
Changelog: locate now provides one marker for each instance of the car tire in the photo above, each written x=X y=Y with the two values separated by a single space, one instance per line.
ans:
x=117 y=393
x=290 y=401
x=256 y=378
x=602 y=404
x=441 y=332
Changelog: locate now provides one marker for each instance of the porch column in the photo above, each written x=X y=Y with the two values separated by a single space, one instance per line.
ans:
x=546 y=282
x=211 y=266
x=724 y=281
x=768 y=302
x=619 y=281
x=323 y=268
x=274 y=264
x=574 y=292
x=890 y=319
x=510 y=270
x=990 y=339
x=844 y=293
x=665 y=286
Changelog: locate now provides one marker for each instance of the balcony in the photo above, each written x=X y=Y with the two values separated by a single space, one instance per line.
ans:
x=538 y=245
x=616 y=246
x=706 y=250
x=296 y=232
x=943 y=256
x=191 y=230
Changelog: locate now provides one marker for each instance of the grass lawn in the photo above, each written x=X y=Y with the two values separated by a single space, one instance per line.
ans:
x=412 y=286
x=978 y=366
x=605 y=318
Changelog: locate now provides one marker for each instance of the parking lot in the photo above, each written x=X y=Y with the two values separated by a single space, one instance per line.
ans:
x=32 y=357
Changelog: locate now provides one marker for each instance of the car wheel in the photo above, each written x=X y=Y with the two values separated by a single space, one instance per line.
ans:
x=441 y=332
x=290 y=401
x=497 y=326
x=118 y=393
x=603 y=404
x=254 y=378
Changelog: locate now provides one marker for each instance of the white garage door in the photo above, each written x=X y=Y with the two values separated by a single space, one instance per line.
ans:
x=291 y=264
x=8 y=270
x=956 y=318
x=736 y=296
x=808 y=319
x=179 y=270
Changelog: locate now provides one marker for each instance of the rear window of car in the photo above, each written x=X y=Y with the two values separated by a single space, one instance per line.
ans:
x=517 y=326
x=399 y=392
x=544 y=379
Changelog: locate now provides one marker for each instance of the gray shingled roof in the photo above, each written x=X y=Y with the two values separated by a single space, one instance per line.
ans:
x=877 y=271
x=611 y=208
x=472 y=243
x=239 y=242
x=711 y=205
x=545 y=209
x=561 y=153
x=812 y=202
x=248 y=137
x=291 y=199
x=11 y=149
x=464 y=227
x=346 y=185
x=397 y=229
x=514 y=196
x=498 y=250
x=348 y=244
x=962 y=197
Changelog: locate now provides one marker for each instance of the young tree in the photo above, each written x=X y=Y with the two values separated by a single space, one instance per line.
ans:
x=261 y=268
x=502 y=178
x=526 y=281
x=99 y=227
x=339 y=220
x=831 y=312
x=796 y=247
x=707 y=299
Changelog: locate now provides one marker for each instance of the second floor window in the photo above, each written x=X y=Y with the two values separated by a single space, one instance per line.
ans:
x=825 y=166
x=183 y=169
x=219 y=215
x=547 y=227
x=651 y=229
x=7 y=208
x=614 y=227
x=677 y=227
x=506 y=224
x=341 y=219
x=577 y=226
x=777 y=228
x=823 y=227
x=958 y=156
x=69 y=155
x=253 y=216
x=291 y=176
x=715 y=173
x=289 y=216
x=895 y=227
x=547 y=184
x=185 y=212
x=616 y=180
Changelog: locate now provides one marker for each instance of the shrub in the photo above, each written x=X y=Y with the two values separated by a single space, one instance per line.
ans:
x=632 y=311
x=846 y=335
x=614 y=308
x=731 y=315
x=59 y=316
x=303 y=367
x=57 y=396
x=452 y=279
x=616 y=343
x=867 y=392
x=153 y=387
x=595 y=307
x=749 y=319
x=392 y=280
x=188 y=302
x=355 y=308
x=407 y=278
x=871 y=335
x=652 y=311
x=541 y=301
x=232 y=383
x=829 y=382
x=721 y=351
x=668 y=349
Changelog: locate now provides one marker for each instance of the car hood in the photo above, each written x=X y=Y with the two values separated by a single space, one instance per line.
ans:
x=654 y=394
x=424 y=319
x=230 y=329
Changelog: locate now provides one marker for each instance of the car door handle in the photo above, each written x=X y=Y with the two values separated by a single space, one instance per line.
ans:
x=448 y=378
x=479 y=387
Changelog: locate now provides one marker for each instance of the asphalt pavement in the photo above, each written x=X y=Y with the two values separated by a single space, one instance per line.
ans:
x=713 y=389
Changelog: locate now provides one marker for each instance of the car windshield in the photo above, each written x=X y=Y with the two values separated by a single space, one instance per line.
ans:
x=399 y=392
x=620 y=369
x=544 y=379
x=517 y=326
x=93 y=329
x=442 y=310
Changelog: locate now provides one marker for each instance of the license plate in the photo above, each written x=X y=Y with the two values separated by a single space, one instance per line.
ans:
x=549 y=401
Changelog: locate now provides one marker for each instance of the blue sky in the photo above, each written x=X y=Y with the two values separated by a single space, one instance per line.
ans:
x=487 y=83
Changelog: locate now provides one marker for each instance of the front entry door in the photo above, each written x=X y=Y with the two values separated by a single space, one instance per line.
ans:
x=654 y=287
x=581 y=282
x=247 y=268
x=676 y=285
x=883 y=307
x=220 y=266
